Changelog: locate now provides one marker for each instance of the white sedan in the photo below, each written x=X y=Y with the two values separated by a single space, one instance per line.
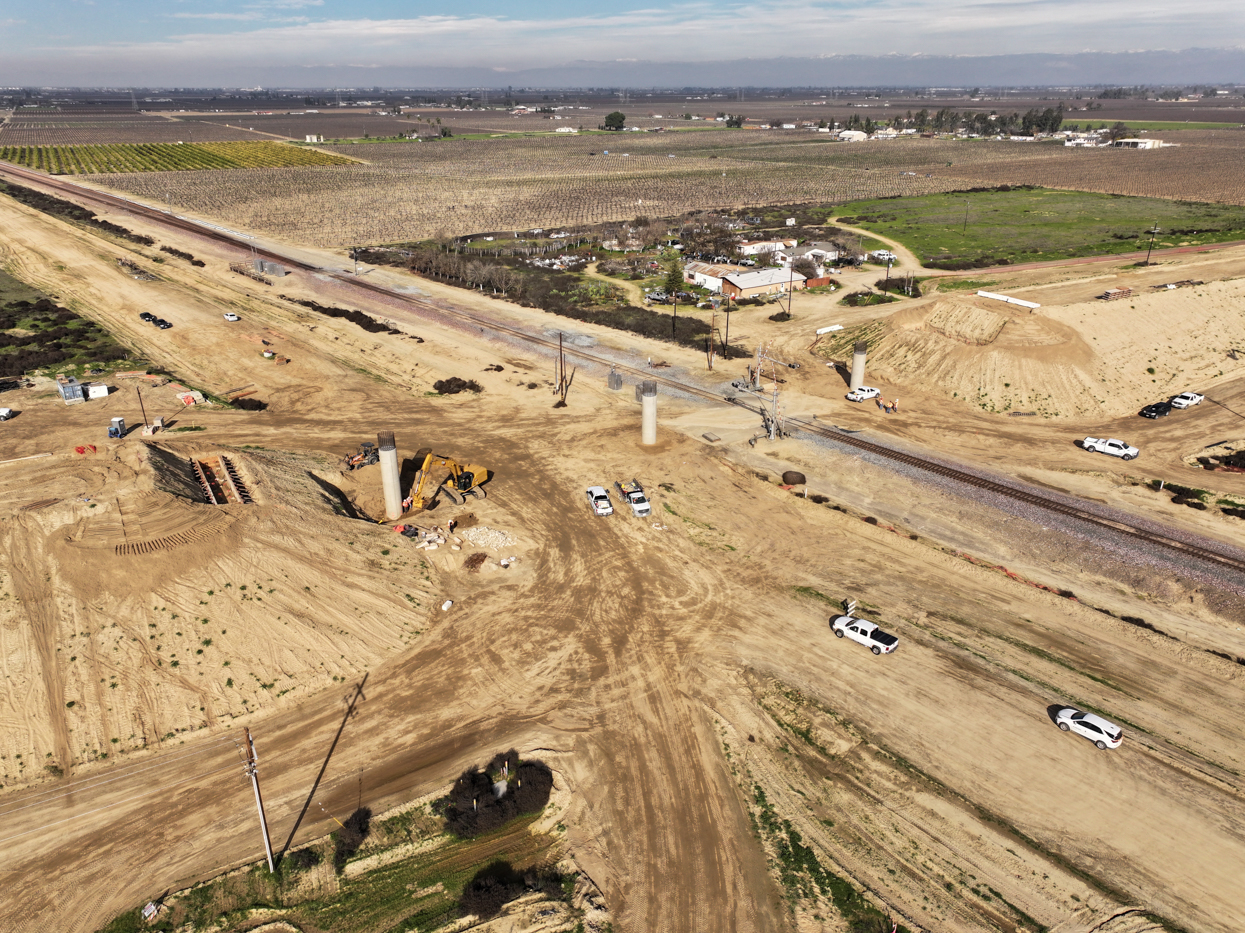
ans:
x=1187 y=400
x=865 y=632
x=863 y=394
x=1101 y=732
x=230 y=316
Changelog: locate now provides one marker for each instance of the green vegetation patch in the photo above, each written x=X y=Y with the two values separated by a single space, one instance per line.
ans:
x=421 y=892
x=1002 y=226
x=37 y=333
x=471 y=852
x=1161 y=125
x=165 y=157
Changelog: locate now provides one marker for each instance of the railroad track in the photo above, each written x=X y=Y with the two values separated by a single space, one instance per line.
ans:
x=1030 y=497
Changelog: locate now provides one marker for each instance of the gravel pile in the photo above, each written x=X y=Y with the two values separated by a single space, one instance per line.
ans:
x=484 y=536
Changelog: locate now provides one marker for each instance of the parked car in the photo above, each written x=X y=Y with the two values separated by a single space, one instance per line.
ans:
x=1157 y=410
x=863 y=394
x=162 y=323
x=147 y=316
x=1187 y=400
x=865 y=632
x=599 y=500
x=230 y=316
x=6 y=414
x=1101 y=732
x=1112 y=446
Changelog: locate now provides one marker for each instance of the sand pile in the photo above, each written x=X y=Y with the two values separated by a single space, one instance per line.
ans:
x=1087 y=358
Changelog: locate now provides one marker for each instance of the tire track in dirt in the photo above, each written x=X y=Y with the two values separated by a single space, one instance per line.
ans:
x=30 y=578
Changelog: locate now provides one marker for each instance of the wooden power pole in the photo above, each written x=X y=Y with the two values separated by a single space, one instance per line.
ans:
x=251 y=767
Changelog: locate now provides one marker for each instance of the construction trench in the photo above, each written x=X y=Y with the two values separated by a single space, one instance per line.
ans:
x=220 y=481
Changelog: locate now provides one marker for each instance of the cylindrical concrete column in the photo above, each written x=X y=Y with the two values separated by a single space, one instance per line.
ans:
x=858 y=365
x=390 y=475
x=648 y=412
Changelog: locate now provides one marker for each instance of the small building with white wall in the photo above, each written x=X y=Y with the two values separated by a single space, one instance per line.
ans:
x=756 y=247
x=708 y=274
x=761 y=282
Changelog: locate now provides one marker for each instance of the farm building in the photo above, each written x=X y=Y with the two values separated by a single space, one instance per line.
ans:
x=709 y=275
x=760 y=282
x=1138 y=144
x=853 y=136
x=818 y=252
x=755 y=247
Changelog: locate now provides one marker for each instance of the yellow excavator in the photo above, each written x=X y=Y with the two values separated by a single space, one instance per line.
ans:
x=435 y=474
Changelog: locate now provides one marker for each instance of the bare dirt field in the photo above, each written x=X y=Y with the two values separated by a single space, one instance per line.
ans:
x=726 y=762
x=412 y=190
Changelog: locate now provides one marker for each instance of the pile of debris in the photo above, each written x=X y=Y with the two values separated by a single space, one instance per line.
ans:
x=427 y=540
x=483 y=536
x=1184 y=283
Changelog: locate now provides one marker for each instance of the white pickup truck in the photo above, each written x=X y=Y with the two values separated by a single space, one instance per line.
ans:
x=1112 y=446
x=1187 y=400
x=633 y=494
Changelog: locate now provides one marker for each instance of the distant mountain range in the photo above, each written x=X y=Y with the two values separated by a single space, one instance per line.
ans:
x=1084 y=69
x=1187 y=66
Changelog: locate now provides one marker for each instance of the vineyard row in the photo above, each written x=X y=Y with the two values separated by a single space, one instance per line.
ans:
x=127 y=158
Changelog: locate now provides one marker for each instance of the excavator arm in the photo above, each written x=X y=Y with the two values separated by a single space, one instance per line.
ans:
x=441 y=473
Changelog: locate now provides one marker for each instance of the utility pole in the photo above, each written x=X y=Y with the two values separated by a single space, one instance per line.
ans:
x=790 y=280
x=1152 y=231
x=965 y=228
x=251 y=768
x=713 y=329
x=141 y=406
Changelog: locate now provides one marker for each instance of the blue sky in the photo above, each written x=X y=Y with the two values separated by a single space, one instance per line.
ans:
x=238 y=42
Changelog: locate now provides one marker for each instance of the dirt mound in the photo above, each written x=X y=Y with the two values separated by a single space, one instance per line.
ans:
x=1084 y=358
x=171 y=471
x=995 y=360
x=965 y=323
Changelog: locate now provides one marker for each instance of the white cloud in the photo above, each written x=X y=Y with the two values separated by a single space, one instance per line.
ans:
x=689 y=31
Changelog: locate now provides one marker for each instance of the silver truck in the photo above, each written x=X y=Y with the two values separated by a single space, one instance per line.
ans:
x=633 y=494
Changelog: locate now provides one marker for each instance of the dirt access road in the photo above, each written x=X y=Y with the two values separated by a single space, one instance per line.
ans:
x=666 y=673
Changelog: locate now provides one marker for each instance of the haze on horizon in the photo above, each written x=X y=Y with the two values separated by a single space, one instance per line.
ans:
x=317 y=43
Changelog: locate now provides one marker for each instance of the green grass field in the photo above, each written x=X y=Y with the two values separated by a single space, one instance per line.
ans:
x=165 y=157
x=961 y=230
x=1160 y=125
x=415 y=892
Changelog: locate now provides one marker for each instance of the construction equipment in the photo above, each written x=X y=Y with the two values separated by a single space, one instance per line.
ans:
x=366 y=456
x=435 y=474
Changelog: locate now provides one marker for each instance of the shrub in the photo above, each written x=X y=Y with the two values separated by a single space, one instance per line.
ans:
x=454 y=385
x=304 y=859
x=472 y=806
x=490 y=890
x=351 y=836
x=369 y=324
x=249 y=404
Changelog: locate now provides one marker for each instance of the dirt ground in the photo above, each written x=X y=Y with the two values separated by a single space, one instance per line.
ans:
x=669 y=669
